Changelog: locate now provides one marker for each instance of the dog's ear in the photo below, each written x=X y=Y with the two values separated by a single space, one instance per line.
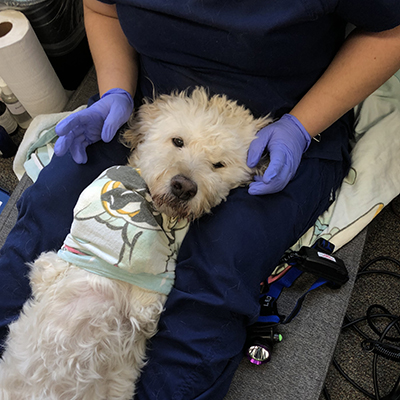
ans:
x=132 y=134
x=262 y=165
x=142 y=120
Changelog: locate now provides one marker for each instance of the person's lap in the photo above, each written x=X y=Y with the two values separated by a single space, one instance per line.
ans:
x=222 y=261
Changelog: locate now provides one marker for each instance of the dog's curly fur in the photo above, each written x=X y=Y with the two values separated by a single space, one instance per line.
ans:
x=82 y=336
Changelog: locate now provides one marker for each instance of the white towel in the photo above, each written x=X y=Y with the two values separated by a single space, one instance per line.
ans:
x=118 y=234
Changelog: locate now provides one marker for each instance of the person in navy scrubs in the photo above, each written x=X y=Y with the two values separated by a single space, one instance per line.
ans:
x=290 y=58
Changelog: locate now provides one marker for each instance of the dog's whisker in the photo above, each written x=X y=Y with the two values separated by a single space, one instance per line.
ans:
x=172 y=206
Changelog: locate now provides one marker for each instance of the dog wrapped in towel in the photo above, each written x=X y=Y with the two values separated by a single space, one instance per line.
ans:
x=97 y=301
x=92 y=330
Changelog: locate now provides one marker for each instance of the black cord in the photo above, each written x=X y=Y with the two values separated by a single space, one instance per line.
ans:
x=326 y=393
x=379 y=347
x=347 y=377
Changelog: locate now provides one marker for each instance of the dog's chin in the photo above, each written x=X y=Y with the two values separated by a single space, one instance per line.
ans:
x=173 y=207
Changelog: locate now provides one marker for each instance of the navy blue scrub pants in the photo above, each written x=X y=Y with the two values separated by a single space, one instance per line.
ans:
x=222 y=261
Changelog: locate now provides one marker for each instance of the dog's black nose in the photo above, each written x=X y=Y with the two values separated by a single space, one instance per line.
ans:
x=183 y=188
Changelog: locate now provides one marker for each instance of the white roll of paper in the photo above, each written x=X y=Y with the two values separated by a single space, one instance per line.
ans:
x=25 y=67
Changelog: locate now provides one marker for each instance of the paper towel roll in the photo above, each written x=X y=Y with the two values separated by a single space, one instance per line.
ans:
x=25 y=67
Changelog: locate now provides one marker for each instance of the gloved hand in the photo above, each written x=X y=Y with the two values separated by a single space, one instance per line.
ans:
x=286 y=140
x=99 y=121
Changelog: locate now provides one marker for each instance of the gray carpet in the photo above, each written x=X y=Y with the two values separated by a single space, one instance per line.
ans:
x=382 y=240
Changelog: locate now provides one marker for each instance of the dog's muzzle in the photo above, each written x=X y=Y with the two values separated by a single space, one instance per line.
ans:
x=183 y=188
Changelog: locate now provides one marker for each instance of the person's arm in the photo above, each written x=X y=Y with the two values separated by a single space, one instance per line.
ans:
x=116 y=68
x=114 y=59
x=365 y=61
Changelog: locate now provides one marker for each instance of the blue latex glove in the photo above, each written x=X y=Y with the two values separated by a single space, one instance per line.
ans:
x=99 y=121
x=286 y=140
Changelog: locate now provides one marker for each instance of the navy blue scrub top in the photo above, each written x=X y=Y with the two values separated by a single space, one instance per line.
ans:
x=266 y=54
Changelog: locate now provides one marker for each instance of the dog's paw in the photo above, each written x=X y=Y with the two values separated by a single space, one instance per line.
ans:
x=45 y=271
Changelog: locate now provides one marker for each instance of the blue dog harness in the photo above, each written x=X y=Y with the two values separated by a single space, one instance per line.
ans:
x=318 y=260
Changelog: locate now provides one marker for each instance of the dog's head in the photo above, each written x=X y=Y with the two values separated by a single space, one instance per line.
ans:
x=191 y=150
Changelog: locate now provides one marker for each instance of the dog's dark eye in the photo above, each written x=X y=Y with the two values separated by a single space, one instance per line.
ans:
x=178 y=142
x=218 y=165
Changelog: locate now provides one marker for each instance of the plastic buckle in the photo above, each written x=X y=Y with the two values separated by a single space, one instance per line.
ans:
x=322 y=265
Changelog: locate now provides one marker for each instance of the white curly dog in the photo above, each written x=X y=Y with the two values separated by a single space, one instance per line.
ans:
x=95 y=303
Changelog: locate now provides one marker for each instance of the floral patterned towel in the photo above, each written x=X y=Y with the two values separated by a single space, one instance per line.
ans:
x=118 y=234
